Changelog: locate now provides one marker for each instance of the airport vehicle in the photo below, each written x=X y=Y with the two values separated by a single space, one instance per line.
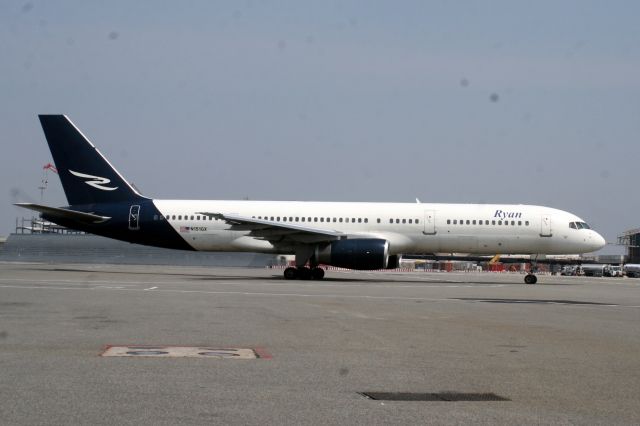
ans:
x=364 y=236
x=632 y=270
x=594 y=270
x=613 y=271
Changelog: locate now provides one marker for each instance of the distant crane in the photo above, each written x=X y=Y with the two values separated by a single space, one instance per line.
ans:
x=45 y=178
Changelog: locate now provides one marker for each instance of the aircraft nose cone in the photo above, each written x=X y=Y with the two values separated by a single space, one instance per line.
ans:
x=598 y=241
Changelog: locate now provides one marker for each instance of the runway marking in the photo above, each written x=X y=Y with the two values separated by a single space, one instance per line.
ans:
x=302 y=295
x=137 y=351
x=151 y=288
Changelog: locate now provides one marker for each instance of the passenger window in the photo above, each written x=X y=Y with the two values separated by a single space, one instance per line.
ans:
x=397 y=220
x=303 y=218
x=448 y=221
x=410 y=220
x=359 y=220
x=366 y=220
x=378 y=220
x=390 y=220
x=335 y=220
x=417 y=221
x=278 y=219
x=322 y=219
x=272 y=218
x=519 y=223
x=404 y=220
x=315 y=219
x=499 y=222
x=486 y=222
x=455 y=221
x=474 y=222
x=340 y=220
x=180 y=217
x=191 y=217
x=513 y=222
x=527 y=223
x=493 y=222
x=353 y=220
x=468 y=222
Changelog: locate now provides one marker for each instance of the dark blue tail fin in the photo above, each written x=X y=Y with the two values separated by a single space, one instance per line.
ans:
x=87 y=177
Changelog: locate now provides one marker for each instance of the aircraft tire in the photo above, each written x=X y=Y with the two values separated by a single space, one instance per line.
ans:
x=317 y=273
x=530 y=279
x=290 y=273
x=304 y=273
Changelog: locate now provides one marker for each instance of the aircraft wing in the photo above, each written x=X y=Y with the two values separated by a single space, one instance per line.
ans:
x=59 y=213
x=277 y=232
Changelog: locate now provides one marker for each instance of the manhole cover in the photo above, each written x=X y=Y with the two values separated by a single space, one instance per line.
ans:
x=185 y=352
x=438 y=396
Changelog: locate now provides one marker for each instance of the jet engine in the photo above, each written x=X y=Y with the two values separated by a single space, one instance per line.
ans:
x=357 y=253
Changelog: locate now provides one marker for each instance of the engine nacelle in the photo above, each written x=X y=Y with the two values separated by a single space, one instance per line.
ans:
x=357 y=253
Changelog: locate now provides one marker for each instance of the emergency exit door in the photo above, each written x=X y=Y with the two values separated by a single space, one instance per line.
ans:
x=134 y=218
x=429 y=222
x=545 y=225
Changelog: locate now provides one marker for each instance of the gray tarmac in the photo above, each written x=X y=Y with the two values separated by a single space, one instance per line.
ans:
x=565 y=351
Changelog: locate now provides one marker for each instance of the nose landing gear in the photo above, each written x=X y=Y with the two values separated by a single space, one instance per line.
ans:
x=530 y=278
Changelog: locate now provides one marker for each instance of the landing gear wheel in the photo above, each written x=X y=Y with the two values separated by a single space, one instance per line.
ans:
x=317 y=273
x=304 y=273
x=290 y=273
x=530 y=279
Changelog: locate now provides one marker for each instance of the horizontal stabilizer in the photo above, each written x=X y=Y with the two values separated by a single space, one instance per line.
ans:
x=58 y=213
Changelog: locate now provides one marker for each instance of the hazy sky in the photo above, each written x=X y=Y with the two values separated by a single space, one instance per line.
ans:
x=466 y=101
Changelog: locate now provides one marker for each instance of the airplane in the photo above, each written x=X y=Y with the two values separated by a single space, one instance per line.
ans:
x=353 y=235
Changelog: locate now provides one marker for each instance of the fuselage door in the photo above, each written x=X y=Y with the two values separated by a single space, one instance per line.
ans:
x=429 y=222
x=134 y=218
x=545 y=225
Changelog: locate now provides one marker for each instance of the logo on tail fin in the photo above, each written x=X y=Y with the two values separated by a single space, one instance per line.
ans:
x=95 y=181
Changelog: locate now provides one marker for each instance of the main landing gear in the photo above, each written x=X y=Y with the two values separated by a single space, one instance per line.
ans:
x=530 y=279
x=303 y=273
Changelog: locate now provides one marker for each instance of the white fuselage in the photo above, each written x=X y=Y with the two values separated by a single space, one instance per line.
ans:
x=409 y=228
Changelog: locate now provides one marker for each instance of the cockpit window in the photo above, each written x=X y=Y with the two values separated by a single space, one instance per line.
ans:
x=578 y=225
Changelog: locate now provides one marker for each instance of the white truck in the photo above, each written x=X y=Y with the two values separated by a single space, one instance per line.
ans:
x=613 y=271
